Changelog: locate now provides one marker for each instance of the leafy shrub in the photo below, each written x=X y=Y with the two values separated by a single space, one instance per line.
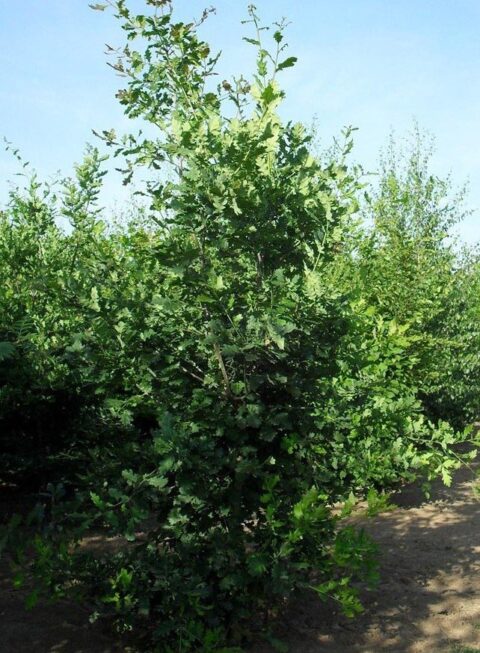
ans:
x=412 y=271
x=232 y=377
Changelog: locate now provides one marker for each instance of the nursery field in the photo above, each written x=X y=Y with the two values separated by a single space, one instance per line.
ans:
x=203 y=398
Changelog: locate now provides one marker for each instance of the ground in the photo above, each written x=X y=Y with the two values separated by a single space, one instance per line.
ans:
x=428 y=600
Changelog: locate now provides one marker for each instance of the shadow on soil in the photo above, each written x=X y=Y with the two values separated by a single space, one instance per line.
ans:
x=428 y=600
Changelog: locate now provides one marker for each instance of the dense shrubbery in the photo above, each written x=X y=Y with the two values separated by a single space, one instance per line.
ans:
x=411 y=269
x=205 y=382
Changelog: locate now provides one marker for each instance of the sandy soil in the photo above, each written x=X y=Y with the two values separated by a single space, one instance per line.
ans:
x=59 y=628
x=428 y=600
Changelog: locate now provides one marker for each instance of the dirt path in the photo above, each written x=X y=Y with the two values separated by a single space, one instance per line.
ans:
x=428 y=600
x=59 y=628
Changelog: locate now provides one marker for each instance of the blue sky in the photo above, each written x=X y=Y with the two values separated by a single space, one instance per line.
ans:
x=375 y=64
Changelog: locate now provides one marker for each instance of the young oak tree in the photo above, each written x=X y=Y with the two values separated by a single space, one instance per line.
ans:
x=270 y=392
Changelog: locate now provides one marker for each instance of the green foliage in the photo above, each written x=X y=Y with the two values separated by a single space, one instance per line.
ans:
x=410 y=268
x=378 y=503
x=202 y=385
x=46 y=280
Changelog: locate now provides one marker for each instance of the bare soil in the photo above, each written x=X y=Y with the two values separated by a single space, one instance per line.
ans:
x=428 y=600
x=48 y=628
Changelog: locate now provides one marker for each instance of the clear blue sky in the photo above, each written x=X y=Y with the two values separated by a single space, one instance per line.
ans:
x=376 y=64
